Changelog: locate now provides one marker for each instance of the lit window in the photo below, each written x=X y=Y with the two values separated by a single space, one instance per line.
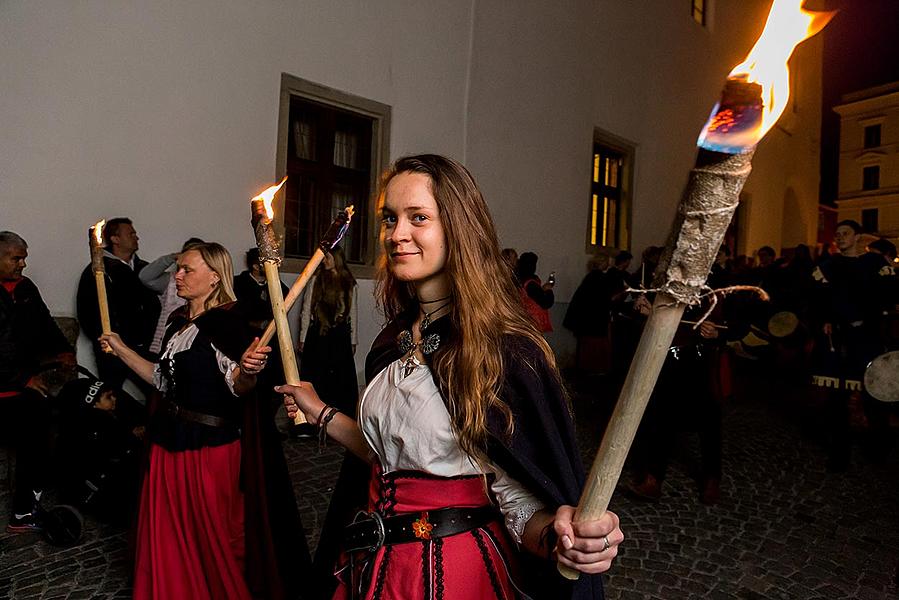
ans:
x=606 y=227
x=699 y=10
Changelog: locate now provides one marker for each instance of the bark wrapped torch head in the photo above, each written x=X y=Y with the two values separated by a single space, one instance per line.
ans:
x=95 y=239
x=713 y=192
x=266 y=238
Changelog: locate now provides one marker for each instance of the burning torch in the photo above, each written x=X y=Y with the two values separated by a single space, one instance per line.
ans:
x=95 y=237
x=332 y=237
x=754 y=97
x=270 y=255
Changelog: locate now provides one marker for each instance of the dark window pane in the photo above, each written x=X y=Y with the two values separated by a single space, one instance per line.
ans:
x=872 y=136
x=328 y=168
x=871 y=178
x=869 y=220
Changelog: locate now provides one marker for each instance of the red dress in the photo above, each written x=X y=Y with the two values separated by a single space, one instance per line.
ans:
x=190 y=532
x=472 y=565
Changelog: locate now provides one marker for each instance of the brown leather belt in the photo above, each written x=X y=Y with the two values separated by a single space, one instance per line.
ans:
x=196 y=417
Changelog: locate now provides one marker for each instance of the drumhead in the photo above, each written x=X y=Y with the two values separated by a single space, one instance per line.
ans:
x=782 y=324
x=882 y=377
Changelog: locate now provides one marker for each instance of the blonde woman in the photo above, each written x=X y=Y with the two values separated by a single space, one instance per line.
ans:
x=197 y=533
x=464 y=420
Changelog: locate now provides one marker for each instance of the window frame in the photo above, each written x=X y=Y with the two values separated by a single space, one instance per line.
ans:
x=876 y=127
x=626 y=152
x=875 y=169
x=871 y=219
x=379 y=113
x=699 y=8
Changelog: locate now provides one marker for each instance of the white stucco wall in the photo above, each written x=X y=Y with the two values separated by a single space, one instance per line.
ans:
x=167 y=113
x=543 y=78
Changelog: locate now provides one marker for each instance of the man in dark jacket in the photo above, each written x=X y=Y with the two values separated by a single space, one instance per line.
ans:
x=133 y=308
x=28 y=336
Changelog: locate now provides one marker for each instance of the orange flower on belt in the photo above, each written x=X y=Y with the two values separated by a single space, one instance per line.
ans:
x=421 y=528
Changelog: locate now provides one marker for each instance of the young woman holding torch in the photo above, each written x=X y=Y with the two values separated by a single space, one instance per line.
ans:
x=464 y=419
x=208 y=527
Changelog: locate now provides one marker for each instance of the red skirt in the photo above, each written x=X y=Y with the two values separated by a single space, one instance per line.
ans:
x=190 y=530
x=472 y=565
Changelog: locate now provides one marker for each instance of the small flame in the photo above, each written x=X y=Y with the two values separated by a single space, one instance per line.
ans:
x=349 y=211
x=267 y=196
x=766 y=65
x=98 y=231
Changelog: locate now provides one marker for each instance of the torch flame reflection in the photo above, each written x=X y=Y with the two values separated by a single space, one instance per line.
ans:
x=267 y=196
x=766 y=65
x=98 y=231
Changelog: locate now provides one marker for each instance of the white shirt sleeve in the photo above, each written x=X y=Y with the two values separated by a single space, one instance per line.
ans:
x=226 y=366
x=158 y=380
x=516 y=503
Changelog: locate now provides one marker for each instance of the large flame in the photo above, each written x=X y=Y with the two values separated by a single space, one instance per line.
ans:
x=267 y=196
x=766 y=65
x=98 y=231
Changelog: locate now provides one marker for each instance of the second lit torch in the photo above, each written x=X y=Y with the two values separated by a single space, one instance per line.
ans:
x=270 y=257
x=95 y=237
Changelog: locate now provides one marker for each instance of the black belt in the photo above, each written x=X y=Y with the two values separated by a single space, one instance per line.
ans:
x=196 y=417
x=370 y=531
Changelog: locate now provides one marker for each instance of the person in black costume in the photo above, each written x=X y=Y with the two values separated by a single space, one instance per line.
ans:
x=28 y=336
x=327 y=332
x=251 y=291
x=218 y=517
x=133 y=308
x=850 y=301
x=464 y=418
x=588 y=317
x=688 y=396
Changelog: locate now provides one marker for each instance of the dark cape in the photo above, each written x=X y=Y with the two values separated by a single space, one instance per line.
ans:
x=541 y=452
x=277 y=556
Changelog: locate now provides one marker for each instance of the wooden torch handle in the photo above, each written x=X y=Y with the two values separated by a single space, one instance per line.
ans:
x=103 y=301
x=285 y=343
x=295 y=290
x=641 y=379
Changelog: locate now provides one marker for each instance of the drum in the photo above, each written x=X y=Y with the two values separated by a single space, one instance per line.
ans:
x=882 y=377
x=783 y=324
x=63 y=525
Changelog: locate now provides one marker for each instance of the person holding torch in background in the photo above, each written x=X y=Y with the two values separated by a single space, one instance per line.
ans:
x=203 y=532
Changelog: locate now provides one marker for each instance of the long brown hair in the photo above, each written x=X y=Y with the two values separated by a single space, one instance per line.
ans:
x=332 y=294
x=486 y=305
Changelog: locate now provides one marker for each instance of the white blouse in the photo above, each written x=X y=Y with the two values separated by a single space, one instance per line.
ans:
x=406 y=423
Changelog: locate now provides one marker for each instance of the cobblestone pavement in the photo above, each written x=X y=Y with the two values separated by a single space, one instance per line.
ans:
x=784 y=527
